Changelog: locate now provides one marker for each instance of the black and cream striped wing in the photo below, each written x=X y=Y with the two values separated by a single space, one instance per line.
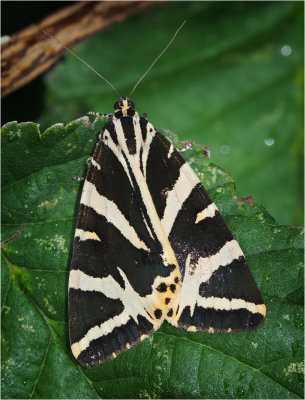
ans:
x=218 y=291
x=121 y=261
x=151 y=245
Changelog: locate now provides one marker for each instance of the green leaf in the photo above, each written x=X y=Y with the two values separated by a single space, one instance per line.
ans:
x=39 y=192
x=232 y=80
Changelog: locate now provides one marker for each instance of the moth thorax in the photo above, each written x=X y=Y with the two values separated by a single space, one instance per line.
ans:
x=124 y=108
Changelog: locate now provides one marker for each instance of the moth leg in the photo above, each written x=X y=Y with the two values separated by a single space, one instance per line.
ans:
x=100 y=115
x=77 y=178
x=144 y=116
x=88 y=161
x=80 y=179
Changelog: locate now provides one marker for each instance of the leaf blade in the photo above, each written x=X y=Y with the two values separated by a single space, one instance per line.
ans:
x=38 y=261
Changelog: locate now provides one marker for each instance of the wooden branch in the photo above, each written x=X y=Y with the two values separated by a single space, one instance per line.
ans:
x=30 y=52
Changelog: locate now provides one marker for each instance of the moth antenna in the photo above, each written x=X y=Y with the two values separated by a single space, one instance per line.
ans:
x=83 y=61
x=156 y=59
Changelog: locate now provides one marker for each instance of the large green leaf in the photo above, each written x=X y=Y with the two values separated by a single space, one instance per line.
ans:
x=232 y=80
x=40 y=193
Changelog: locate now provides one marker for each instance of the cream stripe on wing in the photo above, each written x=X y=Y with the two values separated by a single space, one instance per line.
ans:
x=170 y=151
x=196 y=274
x=222 y=303
x=111 y=212
x=138 y=136
x=228 y=253
x=146 y=145
x=98 y=331
x=208 y=212
x=116 y=149
x=176 y=197
x=85 y=235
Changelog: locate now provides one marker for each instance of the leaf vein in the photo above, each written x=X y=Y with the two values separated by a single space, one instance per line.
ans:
x=231 y=357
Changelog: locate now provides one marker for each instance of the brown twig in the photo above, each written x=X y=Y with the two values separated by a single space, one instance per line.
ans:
x=30 y=52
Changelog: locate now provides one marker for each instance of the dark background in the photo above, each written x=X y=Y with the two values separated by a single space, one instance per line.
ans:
x=15 y=16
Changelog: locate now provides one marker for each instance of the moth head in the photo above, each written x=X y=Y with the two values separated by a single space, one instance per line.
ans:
x=124 y=108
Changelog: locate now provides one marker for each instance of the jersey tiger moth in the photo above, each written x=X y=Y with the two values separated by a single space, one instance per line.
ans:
x=150 y=245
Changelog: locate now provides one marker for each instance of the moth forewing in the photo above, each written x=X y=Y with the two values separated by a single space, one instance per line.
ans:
x=124 y=274
x=218 y=291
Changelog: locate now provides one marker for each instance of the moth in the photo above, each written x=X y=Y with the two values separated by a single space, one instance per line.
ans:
x=150 y=246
